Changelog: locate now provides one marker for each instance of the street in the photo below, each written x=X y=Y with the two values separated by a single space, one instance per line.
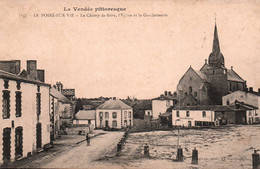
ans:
x=83 y=155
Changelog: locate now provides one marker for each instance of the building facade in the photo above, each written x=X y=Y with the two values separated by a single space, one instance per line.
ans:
x=162 y=103
x=213 y=81
x=85 y=117
x=25 y=116
x=114 y=113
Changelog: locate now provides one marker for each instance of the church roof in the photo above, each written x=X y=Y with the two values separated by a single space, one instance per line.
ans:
x=233 y=76
x=114 y=104
x=201 y=75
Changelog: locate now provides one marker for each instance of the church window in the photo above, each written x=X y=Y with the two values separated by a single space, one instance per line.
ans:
x=190 y=89
x=195 y=94
x=190 y=78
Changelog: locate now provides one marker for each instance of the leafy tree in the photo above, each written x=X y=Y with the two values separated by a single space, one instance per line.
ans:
x=79 y=105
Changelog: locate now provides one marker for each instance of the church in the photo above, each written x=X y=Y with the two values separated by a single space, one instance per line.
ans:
x=208 y=85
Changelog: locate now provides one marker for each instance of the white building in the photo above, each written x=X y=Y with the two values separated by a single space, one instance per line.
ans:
x=114 y=114
x=250 y=98
x=189 y=116
x=25 y=119
x=162 y=103
x=85 y=117
x=59 y=105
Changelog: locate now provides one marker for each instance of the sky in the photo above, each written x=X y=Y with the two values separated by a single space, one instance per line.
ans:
x=131 y=56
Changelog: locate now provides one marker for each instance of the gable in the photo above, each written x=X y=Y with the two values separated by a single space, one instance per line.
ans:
x=191 y=77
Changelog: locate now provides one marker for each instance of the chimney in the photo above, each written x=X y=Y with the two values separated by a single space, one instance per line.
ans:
x=231 y=67
x=54 y=86
x=114 y=98
x=169 y=93
x=41 y=75
x=251 y=89
x=31 y=68
x=258 y=90
x=59 y=86
x=165 y=93
x=17 y=67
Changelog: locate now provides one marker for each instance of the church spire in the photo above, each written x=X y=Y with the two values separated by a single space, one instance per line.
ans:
x=215 y=47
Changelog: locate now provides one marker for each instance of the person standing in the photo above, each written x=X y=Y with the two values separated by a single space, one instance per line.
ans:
x=88 y=139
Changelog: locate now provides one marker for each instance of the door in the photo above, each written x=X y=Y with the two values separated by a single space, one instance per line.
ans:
x=38 y=135
x=6 y=144
x=189 y=123
x=106 y=123
x=18 y=142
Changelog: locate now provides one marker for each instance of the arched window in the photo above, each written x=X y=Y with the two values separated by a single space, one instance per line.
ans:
x=114 y=115
x=100 y=114
x=190 y=90
x=195 y=94
x=228 y=102
x=106 y=115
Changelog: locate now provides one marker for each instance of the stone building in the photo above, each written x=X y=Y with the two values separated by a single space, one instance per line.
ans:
x=114 y=113
x=207 y=85
x=24 y=104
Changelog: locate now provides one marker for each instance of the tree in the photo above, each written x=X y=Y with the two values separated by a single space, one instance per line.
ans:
x=79 y=105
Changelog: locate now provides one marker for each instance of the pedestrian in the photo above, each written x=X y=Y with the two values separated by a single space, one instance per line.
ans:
x=88 y=139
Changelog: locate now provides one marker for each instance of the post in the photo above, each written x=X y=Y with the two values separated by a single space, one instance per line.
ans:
x=255 y=159
x=194 y=156
x=119 y=148
x=146 y=151
x=179 y=154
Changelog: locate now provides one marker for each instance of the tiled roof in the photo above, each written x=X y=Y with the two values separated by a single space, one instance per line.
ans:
x=10 y=76
x=201 y=75
x=114 y=104
x=86 y=115
x=163 y=97
x=57 y=94
x=233 y=76
x=167 y=114
x=204 y=107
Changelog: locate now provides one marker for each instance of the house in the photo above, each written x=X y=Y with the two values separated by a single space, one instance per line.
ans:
x=162 y=103
x=85 y=117
x=24 y=103
x=114 y=113
x=60 y=107
x=208 y=85
x=69 y=108
x=248 y=97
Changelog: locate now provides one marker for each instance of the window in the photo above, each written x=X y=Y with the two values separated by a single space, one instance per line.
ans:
x=38 y=103
x=89 y=121
x=6 y=104
x=228 y=102
x=6 y=84
x=190 y=78
x=100 y=114
x=114 y=123
x=195 y=94
x=18 y=104
x=203 y=114
x=168 y=103
x=114 y=115
x=38 y=88
x=18 y=85
x=177 y=113
x=187 y=113
x=185 y=94
x=106 y=115
x=190 y=89
x=125 y=114
x=130 y=115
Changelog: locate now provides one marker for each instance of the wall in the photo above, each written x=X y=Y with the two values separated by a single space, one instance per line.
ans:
x=195 y=115
x=242 y=96
x=160 y=107
x=120 y=118
x=93 y=122
x=28 y=119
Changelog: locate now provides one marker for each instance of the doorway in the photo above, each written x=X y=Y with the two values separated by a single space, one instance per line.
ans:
x=38 y=135
x=18 y=142
x=6 y=145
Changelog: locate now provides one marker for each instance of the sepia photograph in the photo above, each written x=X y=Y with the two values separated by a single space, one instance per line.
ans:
x=130 y=84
